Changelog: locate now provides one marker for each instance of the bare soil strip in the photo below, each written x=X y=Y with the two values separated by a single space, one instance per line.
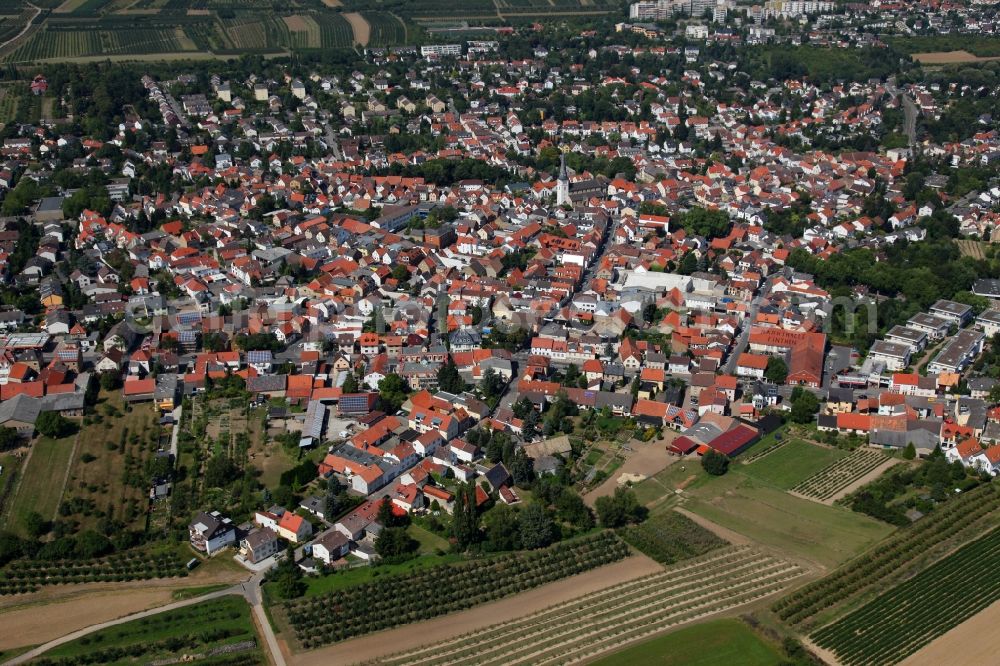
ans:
x=950 y=57
x=828 y=657
x=412 y=636
x=362 y=31
x=971 y=643
x=332 y=3
x=68 y=6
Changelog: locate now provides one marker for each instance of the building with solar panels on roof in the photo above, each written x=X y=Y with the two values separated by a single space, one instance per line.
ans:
x=188 y=341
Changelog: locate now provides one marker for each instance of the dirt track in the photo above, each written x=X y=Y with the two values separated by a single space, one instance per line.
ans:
x=438 y=629
x=972 y=643
x=59 y=610
x=39 y=624
x=646 y=460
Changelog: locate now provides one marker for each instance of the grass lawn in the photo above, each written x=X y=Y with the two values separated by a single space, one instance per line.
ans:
x=196 y=628
x=764 y=442
x=41 y=481
x=429 y=542
x=718 y=643
x=824 y=534
x=791 y=464
x=9 y=463
x=336 y=581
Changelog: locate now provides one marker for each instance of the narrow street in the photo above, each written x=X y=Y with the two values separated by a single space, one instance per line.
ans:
x=741 y=344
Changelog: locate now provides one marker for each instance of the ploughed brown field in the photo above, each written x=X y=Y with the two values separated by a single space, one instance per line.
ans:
x=949 y=57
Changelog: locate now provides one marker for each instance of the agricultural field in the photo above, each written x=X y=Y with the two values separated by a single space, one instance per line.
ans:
x=84 y=39
x=825 y=535
x=10 y=23
x=792 y=464
x=912 y=614
x=212 y=628
x=11 y=465
x=799 y=528
x=600 y=622
x=41 y=481
x=23 y=576
x=834 y=478
x=670 y=537
x=256 y=33
x=764 y=447
x=303 y=31
x=424 y=11
x=9 y=98
x=176 y=28
x=384 y=29
x=109 y=477
x=906 y=552
x=709 y=644
x=335 y=31
x=394 y=600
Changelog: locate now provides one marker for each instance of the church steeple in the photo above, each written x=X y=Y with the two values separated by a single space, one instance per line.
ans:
x=562 y=183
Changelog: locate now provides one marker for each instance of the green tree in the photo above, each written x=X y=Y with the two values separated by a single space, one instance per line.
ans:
x=9 y=439
x=90 y=544
x=571 y=508
x=449 y=378
x=465 y=517
x=804 y=405
x=715 y=463
x=501 y=528
x=521 y=468
x=910 y=452
x=393 y=390
x=54 y=424
x=776 y=371
x=109 y=381
x=535 y=527
x=394 y=544
x=336 y=500
x=619 y=509
x=350 y=384
x=10 y=547
x=220 y=471
x=35 y=525
x=387 y=517
x=287 y=577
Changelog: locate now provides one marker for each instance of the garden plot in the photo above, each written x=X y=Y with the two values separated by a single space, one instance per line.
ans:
x=603 y=621
x=825 y=484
